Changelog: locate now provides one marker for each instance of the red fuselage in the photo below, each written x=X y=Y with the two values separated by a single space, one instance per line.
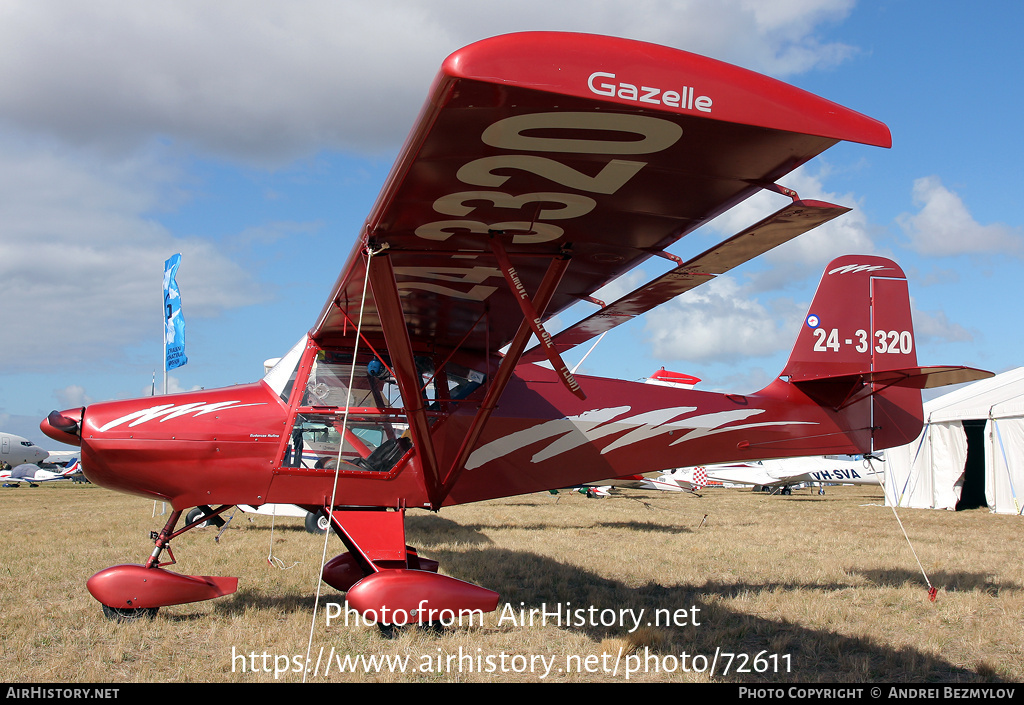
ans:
x=229 y=446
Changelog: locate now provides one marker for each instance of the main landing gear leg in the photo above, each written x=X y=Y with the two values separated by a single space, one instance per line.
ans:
x=387 y=582
x=131 y=592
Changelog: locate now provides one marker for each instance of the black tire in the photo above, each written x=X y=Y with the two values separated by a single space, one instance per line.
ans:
x=317 y=522
x=195 y=515
x=391 y=631
x=199 y=513
x=128 y=614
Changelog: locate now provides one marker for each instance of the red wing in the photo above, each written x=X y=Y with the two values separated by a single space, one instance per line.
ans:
x=600 y=150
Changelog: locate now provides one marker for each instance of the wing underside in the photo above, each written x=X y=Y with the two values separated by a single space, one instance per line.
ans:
x=542 y=167
x=598 y=151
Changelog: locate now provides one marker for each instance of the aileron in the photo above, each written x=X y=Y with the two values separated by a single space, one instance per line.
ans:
x=794 y=219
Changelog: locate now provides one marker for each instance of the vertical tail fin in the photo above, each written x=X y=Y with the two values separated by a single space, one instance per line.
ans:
x=859 y=321
x=856 y=352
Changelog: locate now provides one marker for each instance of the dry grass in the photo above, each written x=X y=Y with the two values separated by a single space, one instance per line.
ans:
x=827 y=585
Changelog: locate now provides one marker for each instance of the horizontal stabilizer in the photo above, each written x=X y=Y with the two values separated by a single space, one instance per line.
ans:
x=785 y=224
x=841 y=390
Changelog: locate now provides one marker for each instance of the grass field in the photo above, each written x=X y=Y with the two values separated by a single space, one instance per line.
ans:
x=784 y=589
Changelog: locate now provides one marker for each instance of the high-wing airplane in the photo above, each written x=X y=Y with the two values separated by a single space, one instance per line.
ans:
x=315 y=522
x=15 y=450
x=60 y=458
x=783 y=475
x=542 y=166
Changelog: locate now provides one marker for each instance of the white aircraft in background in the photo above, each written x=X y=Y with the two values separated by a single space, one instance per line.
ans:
x=666 y=482
x=62 y=458
x=33 y=474
x=783 y=475
x=15 y=450
x=316 y=523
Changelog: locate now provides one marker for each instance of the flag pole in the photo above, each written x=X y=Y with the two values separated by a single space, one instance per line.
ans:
x=165 y=352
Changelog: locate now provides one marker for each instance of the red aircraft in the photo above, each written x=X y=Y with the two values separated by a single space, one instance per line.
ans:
x=542 y=166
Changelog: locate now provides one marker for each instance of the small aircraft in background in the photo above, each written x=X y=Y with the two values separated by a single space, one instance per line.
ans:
x=782 y=476
x=33 y=474
x=15 y=450
x=60 y=458
x=671 y=481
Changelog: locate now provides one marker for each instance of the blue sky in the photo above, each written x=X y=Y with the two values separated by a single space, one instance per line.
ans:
x=253 y=136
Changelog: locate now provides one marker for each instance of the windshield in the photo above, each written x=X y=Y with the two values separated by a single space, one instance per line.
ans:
x=282 y=375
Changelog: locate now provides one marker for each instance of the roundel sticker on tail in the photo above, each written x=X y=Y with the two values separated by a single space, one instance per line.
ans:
x=813 y=321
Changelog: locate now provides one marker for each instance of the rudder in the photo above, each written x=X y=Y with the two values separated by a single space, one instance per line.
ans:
x=856 y=350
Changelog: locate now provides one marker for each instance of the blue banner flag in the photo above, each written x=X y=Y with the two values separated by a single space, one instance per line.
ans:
x=174 y=322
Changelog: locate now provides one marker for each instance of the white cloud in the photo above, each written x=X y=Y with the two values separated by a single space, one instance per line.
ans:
x=72 y=396
x=720 y=322
x=264 y=80
x=174 y=386
x=81 y=261
x=803 y=258
x=935 y=325
x=944 y=226
x=617 y=288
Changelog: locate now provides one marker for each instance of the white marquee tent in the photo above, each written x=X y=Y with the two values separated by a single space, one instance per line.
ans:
x=972 y=445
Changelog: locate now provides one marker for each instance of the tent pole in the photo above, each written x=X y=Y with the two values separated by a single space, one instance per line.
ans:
x=1006 y=461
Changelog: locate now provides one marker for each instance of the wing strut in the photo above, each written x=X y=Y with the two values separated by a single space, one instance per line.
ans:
x=396 y=334
x=541 y=299
x=532 y=317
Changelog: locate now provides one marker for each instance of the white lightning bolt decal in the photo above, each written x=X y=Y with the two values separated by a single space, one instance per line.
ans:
x=571 y=432
x=170 y=411
x=503 y=446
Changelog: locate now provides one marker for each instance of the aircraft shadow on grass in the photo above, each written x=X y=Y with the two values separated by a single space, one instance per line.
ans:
x=643 y=527
x=528 y=581
x=958 y=581
x=424 y=530
x=250 y=598
x=431 y=530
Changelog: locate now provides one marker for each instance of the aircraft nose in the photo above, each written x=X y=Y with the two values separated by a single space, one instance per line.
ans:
x=64 y=426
